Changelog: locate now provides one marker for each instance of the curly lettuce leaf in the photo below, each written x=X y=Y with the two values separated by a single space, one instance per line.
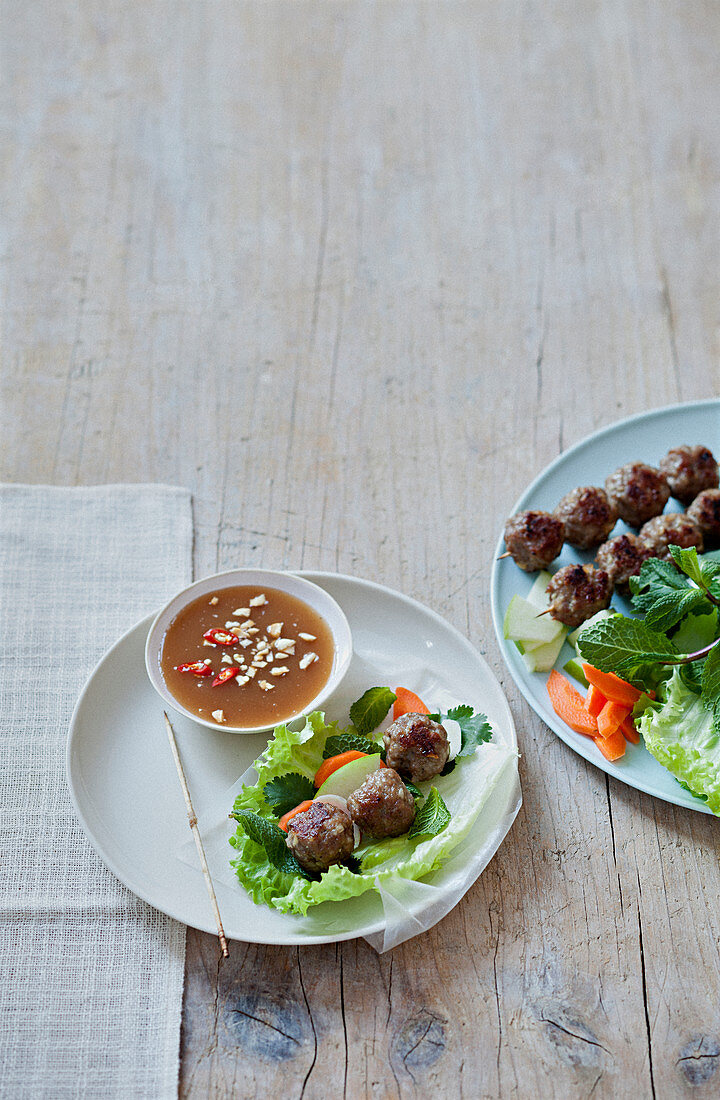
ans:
x=681 y=735
x=464 y=792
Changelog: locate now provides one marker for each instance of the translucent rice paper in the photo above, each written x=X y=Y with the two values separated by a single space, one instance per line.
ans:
x=409 y=907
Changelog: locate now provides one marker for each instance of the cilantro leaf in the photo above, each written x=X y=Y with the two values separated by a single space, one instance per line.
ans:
x=475 y=729
x=272 y=839
x=287 y=791
x=344 y=742
x=432 y=817
x=623 y=645
x=368 y=711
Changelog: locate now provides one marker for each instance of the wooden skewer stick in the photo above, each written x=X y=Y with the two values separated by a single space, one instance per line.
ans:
x=505 y=555
x=541 y=613
x=196 y=833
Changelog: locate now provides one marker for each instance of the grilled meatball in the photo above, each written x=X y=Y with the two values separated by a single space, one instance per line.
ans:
x=639 y=492
x=622 y=558
x=416 y=746
x=534 y=539
x=576 y=592
x=673 y=528
x=320 y=836
x=588 y=516
x=689 y=470
x=705 y=511
x=383 y=806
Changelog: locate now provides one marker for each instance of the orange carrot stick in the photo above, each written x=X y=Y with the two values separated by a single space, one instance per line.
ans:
x=629 y=731
x=569 y=705
x=612 y=747
x=612 y=687
x=408 y=702
x=333 y=763
x=594 y=701
x=283 y=822
x=611 y=718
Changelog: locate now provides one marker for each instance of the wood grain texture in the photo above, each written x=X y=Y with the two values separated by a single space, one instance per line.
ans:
x=355 y=272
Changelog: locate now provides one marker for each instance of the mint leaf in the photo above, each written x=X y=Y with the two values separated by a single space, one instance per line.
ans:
x=272 y=839
x=665 y=595
x=368 y=711
x=623 y=645
x=287 y=791
x=344 y=742
x=414 y=791
x=432 y=817
x=475 y=730
x=687 y=561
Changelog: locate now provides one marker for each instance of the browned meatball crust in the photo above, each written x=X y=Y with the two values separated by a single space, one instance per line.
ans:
x=578 y=591
x=705 y=511
x=320 y=836
x=622 y=558
x=689 y=470
x=638 y=492
x=416 y=747
x=673 y=528
x=383 y=806
x=534 y=539
x=588 y=516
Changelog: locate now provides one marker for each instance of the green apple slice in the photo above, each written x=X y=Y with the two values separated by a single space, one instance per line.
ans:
x=537 y=595
x=350 y=776
x=544 y=657
x=522 y=623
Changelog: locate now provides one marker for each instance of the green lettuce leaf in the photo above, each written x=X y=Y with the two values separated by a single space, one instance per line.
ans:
x=681 y=736
x=301 y=751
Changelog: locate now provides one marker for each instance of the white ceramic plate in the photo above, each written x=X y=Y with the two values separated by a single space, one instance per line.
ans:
x=126 y=791
x=645 y=438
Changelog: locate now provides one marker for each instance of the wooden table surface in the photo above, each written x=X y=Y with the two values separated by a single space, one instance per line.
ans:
x=354 y=273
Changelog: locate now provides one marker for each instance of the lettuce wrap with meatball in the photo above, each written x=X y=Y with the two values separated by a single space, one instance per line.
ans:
x=446 y=815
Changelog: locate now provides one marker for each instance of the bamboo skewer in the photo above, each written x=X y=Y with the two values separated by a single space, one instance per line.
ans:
x=192 y=819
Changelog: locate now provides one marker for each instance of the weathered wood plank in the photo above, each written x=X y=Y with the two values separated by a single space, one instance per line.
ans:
x=354 y=273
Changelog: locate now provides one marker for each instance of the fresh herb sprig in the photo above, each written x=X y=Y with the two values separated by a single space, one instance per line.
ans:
x=285 y=792
x=272 y=839
x=475 y=730
x=432 y=817
x=667 y=595
x=631 y=647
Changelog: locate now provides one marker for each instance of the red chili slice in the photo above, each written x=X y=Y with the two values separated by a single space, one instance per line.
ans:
x=224 y=675
x=220 y=637
x=198 y=668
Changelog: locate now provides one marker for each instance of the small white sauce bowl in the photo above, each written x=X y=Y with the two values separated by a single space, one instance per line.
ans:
x=316 y=598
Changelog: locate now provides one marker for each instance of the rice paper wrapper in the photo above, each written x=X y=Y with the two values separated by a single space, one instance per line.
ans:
x=408 y=906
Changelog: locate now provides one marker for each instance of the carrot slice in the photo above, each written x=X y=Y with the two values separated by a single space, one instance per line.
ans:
x=612 y=687
x=569 y=705
x=283 y=822
x=629 y=731
x=611 y=718
x=612 y=747
x=408 y=702
x=594 y=701
x=333 y=763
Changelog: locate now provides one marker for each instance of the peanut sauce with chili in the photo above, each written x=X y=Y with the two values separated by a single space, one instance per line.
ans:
x=281 y=633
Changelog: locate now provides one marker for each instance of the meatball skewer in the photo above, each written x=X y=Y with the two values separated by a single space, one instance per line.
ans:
x=588 y=516
x=534 y=539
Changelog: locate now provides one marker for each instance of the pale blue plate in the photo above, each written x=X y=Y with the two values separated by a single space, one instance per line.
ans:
x=645 y=438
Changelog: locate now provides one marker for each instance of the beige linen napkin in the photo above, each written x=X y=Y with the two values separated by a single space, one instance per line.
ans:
x=90 y=976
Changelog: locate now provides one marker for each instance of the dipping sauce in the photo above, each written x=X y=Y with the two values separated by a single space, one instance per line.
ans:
x=271 y=651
